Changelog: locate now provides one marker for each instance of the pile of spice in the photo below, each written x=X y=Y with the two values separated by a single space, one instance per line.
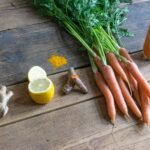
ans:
x=57 y=61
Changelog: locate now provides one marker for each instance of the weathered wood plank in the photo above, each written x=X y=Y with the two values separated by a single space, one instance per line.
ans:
x=121 y=139
x=137 y=22
x=22 y=14
x=84 y=146
x=58 y=129
x=19 y=12
x=129 y=138
x=19 y=17
x=22 y=107
x=23 y=47
x=134 y=137
x=138 y=145
x=13 y=4
x=140 y=1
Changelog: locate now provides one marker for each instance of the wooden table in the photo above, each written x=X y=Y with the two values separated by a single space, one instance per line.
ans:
x=71 y=122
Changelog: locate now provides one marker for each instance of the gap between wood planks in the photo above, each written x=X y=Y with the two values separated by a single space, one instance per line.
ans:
x=65 y=71
x=53 y=110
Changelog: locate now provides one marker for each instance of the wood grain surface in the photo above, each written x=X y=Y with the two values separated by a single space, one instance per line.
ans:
x=60 y=128
x=26 y=108
x=69 y=122
x=134 y=137
x=33 y=44
x=137 y=22
x=22 y=14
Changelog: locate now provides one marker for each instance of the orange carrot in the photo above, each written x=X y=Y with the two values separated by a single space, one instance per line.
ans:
x=125 y=54
x=107 y=94
x=145 y=105
x=137 y=96
x=133 y=85
x=146 y=46
x=128 y=98
x=133 y=69
x=112 y=83
x=98 y=62
x=116 y=66
x=122 y=64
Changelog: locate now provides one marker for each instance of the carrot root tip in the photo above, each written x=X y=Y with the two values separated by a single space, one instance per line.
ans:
x=141 y=119
x=147 y=125
x=113 y=122
x=127 y=117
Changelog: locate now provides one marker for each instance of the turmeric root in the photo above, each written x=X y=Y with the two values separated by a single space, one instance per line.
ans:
x=74 y=79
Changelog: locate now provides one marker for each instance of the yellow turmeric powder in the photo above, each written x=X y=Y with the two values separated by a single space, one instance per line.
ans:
x=57 y=61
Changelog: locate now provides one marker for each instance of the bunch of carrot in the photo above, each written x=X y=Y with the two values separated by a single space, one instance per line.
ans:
x=122 y=84
x=116 y=74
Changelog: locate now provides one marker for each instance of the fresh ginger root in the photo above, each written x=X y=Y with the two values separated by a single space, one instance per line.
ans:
x=4 y=98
